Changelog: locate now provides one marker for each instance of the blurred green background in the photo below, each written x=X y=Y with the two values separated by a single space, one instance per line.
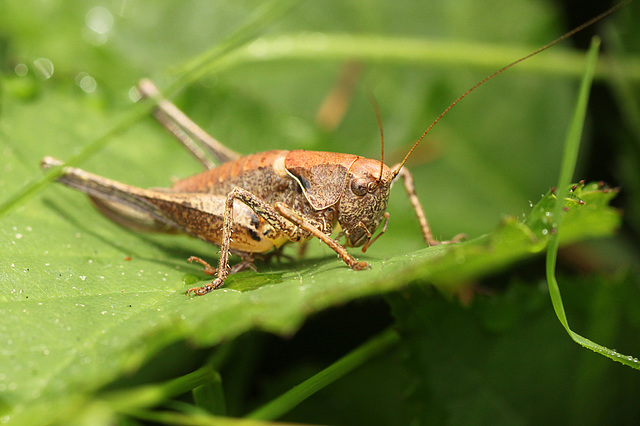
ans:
x=67 y=73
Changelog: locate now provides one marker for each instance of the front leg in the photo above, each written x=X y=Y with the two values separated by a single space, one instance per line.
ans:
x=296 y=218
x=263 y=210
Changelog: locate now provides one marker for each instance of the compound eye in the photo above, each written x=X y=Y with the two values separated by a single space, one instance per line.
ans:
x=359 y=186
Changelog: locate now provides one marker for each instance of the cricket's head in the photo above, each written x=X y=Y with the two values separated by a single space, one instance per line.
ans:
x=364 y=201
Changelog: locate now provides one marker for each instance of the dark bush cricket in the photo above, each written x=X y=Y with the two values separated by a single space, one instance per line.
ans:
x=254 y=203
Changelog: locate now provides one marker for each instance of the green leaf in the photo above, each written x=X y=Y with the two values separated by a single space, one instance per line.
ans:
x=84 y=302
x=74 y=328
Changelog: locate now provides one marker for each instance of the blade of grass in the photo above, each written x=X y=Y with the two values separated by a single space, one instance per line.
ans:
x=415 y=52
x=287 y=401
x=210 y=395
x=572 y=146
x=146 y=396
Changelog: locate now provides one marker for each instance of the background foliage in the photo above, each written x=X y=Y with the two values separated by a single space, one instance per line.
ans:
x=83 y=327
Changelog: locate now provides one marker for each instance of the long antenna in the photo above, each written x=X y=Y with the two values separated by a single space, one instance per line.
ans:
x=376 y=109
x=501 y=70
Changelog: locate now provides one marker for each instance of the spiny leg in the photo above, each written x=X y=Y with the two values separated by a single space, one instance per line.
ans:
x=302 y=249
x=295 y=217
x=407 y=178
x=262 y=209
x=370 y=240
x=223 y=262
x=278 y=253
x=246 y=263
x=184 y=129
x=206 y=268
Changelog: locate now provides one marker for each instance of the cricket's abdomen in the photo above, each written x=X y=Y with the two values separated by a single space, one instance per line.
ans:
x=203 y=216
